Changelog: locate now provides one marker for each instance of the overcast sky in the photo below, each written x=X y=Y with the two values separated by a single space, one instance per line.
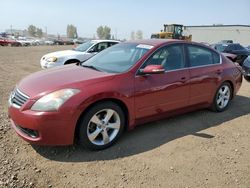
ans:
x=123 y=16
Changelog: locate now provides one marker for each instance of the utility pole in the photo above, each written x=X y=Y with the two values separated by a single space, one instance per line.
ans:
x=11 y=29
x=46 y=32
x=115 y=33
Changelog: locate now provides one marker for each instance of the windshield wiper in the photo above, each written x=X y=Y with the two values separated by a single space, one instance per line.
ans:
x=90 y=66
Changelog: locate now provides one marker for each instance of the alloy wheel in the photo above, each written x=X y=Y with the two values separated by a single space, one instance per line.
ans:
x=103 y=127
x=223 y=96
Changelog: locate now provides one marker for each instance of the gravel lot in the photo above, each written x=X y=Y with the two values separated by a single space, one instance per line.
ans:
x=198 y=149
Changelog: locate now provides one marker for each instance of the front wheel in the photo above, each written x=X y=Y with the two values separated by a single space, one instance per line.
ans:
x=101 y=126
x=222 y=97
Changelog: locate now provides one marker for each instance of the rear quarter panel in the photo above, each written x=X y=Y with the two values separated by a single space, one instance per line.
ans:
x=232 y=73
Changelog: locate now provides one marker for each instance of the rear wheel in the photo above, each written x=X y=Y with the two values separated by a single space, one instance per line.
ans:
x=101 y=126
x=222 y=97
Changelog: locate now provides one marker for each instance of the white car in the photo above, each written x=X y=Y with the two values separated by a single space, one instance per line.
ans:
x=24 y=42
x=49 y=42
x=78 y=54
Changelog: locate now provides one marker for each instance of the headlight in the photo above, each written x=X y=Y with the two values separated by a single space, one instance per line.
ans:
x=51 y=59
x=53 y=101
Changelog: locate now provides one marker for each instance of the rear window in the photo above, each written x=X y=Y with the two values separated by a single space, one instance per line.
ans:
x=216 y=58
x=199 y=56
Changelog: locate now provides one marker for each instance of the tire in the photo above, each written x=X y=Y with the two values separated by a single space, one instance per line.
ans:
x=95 y=130
x=247 y=78
x=222 y=97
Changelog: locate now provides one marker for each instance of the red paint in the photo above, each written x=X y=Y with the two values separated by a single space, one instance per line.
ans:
x=6 y=42
x=147 y=97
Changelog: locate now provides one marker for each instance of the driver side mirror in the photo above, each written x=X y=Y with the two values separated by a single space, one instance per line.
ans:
x=152 y=69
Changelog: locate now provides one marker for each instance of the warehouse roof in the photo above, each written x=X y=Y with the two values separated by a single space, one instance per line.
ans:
x=218 y=25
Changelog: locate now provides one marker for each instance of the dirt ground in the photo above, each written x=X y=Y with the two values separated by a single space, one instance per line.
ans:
x=198 y=149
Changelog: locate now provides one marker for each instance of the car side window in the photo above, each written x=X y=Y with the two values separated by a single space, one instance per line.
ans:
x=99 y=47
x=216 y=58
x=199 y=56
x=111 y=43
x=170 y=57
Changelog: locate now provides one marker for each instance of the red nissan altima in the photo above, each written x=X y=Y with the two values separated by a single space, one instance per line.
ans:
x=125 y=85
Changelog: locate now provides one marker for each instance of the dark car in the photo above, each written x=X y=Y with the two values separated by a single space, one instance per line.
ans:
x=227 y=41
x=128 y=84
x=234 y=48
x=220 y=47
x=58 y=41
x=246 y=68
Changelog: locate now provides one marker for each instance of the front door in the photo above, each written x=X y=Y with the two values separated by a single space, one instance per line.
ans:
x=159 y=93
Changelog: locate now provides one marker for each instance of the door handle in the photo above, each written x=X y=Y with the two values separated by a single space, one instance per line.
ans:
x=219 y=71
x=183 y=78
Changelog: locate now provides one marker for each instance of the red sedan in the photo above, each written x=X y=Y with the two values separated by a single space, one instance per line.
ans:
x=128 y=84
x=7 y=42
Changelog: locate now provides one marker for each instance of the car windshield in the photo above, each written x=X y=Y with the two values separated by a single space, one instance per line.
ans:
x=239 y=47
x=118 y=58
x=247 y=62
x=83 y=47
x=221 y=47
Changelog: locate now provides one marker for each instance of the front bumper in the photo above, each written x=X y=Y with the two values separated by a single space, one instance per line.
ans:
x=43 y=128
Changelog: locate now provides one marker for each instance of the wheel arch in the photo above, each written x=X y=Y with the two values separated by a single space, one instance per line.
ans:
x=232 y=87
x=69 y=61
x=119 y=102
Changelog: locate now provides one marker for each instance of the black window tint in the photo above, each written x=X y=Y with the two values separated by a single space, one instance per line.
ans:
x=102 y=46
x=216 y=58
x=112 y=43
x=171 y=58
x=199 y=56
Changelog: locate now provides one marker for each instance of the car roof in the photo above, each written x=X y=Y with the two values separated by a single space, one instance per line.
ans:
x=235 y=43
x=103 y=40
x=160 y=42
x=152 y=42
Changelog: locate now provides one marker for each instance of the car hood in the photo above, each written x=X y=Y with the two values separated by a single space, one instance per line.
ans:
x=68 y=76
x=63 y=53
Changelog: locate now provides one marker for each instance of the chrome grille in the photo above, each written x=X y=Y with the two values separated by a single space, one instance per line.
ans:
x=17 y=98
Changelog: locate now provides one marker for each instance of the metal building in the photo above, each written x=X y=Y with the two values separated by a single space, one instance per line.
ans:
x=215 y=33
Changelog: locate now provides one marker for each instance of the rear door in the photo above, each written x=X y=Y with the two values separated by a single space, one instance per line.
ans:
x=205 y=73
